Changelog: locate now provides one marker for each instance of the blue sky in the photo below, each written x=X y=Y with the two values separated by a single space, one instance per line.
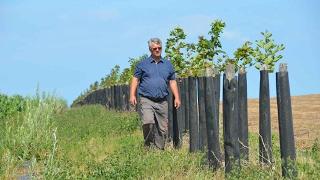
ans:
x=64 y=46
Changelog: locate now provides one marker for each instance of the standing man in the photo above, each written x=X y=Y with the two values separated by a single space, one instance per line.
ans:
x=153 y=75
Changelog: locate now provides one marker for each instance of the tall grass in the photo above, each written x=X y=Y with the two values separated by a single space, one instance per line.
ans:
x=27 y=137
x=90 y=142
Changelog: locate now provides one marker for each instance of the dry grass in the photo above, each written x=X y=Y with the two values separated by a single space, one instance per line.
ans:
x=306 y=118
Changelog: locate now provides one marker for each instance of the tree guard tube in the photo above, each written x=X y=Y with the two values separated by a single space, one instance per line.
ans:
x=176 y=134
x=187 y=110
x=212 y=123
x=243 y=116
x=193 y=115
x=287 y=143
x=202 y=113
x=230 y=123
x=265 y=146
x=183 y=105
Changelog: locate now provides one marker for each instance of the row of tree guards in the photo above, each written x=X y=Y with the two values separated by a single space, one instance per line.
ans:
x=199 y=116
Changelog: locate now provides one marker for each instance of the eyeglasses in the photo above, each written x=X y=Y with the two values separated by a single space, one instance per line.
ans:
x=157 y=48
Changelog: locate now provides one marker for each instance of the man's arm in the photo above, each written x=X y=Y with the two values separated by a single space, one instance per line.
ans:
x=133 y=90
x=175 y=91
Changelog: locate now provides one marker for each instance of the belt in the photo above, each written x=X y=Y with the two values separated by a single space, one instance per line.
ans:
x=155 y=99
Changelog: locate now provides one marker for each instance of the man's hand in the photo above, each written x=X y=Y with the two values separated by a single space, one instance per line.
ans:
x=133 y=91
x=175 y=91
x=177 y=103
x=133 y=100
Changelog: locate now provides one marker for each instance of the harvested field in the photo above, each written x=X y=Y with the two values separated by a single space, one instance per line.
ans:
x=306 y=118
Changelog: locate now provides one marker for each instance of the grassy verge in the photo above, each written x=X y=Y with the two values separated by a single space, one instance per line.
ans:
x=28 y=140
x=92 y=143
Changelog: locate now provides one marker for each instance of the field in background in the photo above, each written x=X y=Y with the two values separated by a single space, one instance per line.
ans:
x=306 y=118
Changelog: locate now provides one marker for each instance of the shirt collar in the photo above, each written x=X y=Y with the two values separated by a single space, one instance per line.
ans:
x=152 y=60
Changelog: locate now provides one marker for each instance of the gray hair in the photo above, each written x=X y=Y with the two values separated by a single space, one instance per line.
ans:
x=154 y=40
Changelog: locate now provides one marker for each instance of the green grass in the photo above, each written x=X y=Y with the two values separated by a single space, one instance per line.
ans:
x=90 y=142
x=96 y=143
x=28 y=136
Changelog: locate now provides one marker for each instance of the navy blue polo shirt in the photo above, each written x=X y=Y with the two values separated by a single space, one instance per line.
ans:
x=154 y=77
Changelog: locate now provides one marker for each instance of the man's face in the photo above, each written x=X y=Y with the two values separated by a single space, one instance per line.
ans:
x=155 y=50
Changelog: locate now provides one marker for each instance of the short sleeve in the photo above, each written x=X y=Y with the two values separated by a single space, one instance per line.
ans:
x=138 y=71
x=172 y=73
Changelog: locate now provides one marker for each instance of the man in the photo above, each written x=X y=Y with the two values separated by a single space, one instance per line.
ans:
x=153 y=75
